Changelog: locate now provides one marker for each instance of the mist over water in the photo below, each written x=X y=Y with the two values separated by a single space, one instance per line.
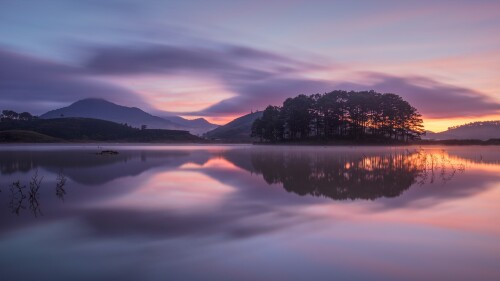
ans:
x=249 y=213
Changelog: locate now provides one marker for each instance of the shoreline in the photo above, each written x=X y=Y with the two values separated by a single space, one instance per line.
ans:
x=493 y=142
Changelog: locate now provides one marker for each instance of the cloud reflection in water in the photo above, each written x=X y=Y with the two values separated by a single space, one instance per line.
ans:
x=185 y=208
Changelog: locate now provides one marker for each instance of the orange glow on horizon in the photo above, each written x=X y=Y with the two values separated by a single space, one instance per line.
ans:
x=177 y=93
x=439 y=125
x=218 y=120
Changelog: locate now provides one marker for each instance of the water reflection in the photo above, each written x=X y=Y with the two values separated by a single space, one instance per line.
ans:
x=366 y=174
x=309 y=212
x=60 y=183
x=17 y=197
x=34 y=187
x=346 y=177
x=85 y=167
x=18 y=194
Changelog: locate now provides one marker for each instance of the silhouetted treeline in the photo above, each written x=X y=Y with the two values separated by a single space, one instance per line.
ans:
x=340 y=115
x=8 y=115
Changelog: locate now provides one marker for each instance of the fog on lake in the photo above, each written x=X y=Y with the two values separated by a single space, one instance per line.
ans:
x=243 y=212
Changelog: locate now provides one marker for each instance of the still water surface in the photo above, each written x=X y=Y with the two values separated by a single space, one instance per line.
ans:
x=249 y=213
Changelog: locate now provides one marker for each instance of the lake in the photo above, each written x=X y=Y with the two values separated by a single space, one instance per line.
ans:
x=242 y=212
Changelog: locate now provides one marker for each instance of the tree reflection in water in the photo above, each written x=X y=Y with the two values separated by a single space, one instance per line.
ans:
x=18 y=196
x=342 y=177
x=35 y=184
x=60 y=183
x=337 y=174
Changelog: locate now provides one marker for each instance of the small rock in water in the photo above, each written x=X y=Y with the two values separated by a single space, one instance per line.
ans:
x=107 y=152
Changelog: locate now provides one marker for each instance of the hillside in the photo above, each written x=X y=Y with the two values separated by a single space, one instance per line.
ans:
x=87 y=129
x=237 y=130
x=133 y=116
x=477 y=130
x=18 y=136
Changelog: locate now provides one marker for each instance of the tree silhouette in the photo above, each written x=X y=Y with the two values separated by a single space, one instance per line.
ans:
x=26 y=116
x=9 y=115
x=270 y=126
x=340 y=115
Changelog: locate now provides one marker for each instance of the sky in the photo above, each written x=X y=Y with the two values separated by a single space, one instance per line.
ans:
x=222 y=59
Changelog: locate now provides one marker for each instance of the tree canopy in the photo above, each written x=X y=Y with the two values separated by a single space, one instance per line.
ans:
x=340 y=115
x=12 y=115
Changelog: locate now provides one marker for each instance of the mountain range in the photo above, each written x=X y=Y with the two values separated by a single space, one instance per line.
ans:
x=238 y=130
x=483 y=130
x=133 y=116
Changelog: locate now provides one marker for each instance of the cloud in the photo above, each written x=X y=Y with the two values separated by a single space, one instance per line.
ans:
x=32 y=84
x=432 y=98
x=222 y=61
x=259 y=78
x=259 y=94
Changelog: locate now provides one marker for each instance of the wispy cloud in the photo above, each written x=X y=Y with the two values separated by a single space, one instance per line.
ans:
x=256 y=77
x=32 y=84
x=223 y=61
x=432 y=98
x=259 y=78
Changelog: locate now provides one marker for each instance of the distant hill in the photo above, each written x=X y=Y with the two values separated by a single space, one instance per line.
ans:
x=196 y=126
x=133 y=116
x=237 y=130
x=86 y=129
x=483 y=130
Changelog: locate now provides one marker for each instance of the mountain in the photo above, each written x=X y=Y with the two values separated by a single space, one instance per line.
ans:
x=237 y=130
x=133 y=116
x=483 y=130
x=105 y=110
x=196 y=126
x=85 y=129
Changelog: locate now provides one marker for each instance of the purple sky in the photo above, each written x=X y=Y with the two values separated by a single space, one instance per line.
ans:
x=222 y=59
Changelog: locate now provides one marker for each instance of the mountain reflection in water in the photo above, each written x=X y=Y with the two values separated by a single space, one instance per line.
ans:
x=338 y=176
x=208 y=212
